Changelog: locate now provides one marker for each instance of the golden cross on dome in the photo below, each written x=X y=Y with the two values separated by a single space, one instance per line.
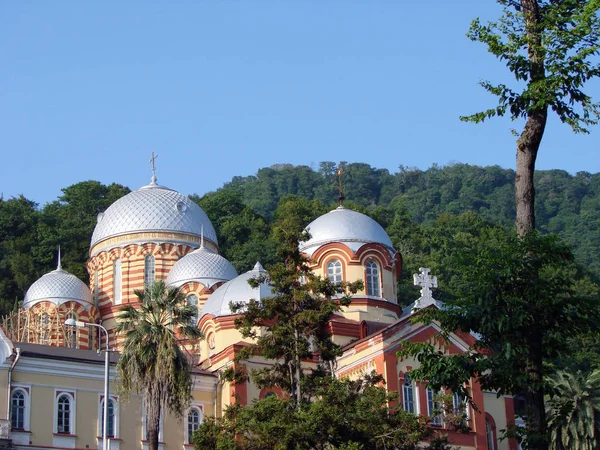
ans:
x=153 y=168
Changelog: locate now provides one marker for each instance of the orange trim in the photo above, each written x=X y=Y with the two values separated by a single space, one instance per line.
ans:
x=479 y=417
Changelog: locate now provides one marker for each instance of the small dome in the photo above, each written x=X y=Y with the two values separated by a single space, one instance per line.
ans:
x=58 y=287
x=344 y=225
x=203 y=266
x=153 y=208
x=236 y=290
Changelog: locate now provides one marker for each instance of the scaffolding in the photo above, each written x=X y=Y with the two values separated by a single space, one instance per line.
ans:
x=41 y=325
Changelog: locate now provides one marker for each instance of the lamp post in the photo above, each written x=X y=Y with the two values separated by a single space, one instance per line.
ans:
x=79 y=324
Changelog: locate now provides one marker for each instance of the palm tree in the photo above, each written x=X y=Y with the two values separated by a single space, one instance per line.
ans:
x=573 y=411
x=152 y=363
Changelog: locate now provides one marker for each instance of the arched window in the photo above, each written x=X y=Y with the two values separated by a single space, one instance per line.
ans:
x=110 y=419
x=117 y=285
x=96 y=288
x=334 y=271
x=364 y=329
x=408 y=395
x=373 y=282
x=490 y=432
x=192 y=300
x=71 y=332
x=433 y=408
x=193 y=422
x=148 y=270
x=63 y=416
x=45 y=329
x=17 y=409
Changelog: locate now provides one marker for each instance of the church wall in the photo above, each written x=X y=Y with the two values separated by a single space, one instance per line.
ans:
x=132 y=257
x=86 y=383
x=496 y=407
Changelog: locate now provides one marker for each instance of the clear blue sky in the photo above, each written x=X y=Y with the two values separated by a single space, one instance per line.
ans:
x=222 y=88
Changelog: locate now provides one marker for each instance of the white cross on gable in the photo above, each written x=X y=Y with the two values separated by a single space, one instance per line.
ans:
x=426 y=281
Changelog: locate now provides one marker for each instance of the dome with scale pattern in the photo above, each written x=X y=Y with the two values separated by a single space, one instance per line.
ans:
x=203 y=266
x=237 y=290
x=154 y=208
x=58 y=287
x=346 y=226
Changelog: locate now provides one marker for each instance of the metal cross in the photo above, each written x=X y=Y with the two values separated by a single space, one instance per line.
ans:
x=152 y=161
x=341 y=194
x=426 y=281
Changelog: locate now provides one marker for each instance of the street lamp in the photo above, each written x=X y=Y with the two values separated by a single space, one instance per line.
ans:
x=76 y=323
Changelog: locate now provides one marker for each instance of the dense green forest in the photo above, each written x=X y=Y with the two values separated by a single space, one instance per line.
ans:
x=426 y=214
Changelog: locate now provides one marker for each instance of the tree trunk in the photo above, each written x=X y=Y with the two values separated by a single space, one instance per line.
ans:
x=527 y=150
x=531 y=137
x=153 y=411
x=536 y=412
x=298 y=371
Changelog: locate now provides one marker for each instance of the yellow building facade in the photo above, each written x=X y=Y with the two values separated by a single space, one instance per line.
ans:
x=52 y=380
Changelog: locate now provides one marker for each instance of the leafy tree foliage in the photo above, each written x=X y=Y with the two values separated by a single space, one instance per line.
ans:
x=574 y=410
x=152 y=363
x=550 y=48
x=343 y=414
x=519 y=297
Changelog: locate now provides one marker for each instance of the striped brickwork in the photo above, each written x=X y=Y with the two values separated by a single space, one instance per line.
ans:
x=132 y=257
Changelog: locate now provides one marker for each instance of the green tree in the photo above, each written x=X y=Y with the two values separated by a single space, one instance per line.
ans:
x=574 y=410
x=550 y=47
x=18 y=241
x=302 y=305
x=519 y=297
x=152 y=362
x=342 y=414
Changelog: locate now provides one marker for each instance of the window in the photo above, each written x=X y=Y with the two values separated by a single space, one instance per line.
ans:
x=117 y=288
x=408 y=395
x=192 y=300
x=96 y=287
x=17 y=409
x=64 y=414
x=373 y=283
x=45 y=329
x=433 y=408
x=193 y=422
x=111 y=419
x=148 y=270
x=459 y=405
x=489 y=435
x=71 y=332
x=334 y=271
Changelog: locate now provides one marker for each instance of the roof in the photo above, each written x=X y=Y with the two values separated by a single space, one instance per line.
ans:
x=236 y=291
x=347 y=226
x=58 y=287
x=77 y=355
x=153 y=208
x=203 y=266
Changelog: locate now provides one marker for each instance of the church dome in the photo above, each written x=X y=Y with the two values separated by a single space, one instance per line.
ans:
x=236 y=290
x=203 y=266
x=349 y=227
x=154 y=208
x=58 y=287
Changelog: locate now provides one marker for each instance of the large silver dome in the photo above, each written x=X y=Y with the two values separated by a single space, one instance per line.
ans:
x=236 y=290
x=153 y=208
x=58 y=287
x=203 y=266
x=344 y=225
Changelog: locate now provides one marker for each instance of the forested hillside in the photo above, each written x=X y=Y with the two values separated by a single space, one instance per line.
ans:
x=426 y=213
